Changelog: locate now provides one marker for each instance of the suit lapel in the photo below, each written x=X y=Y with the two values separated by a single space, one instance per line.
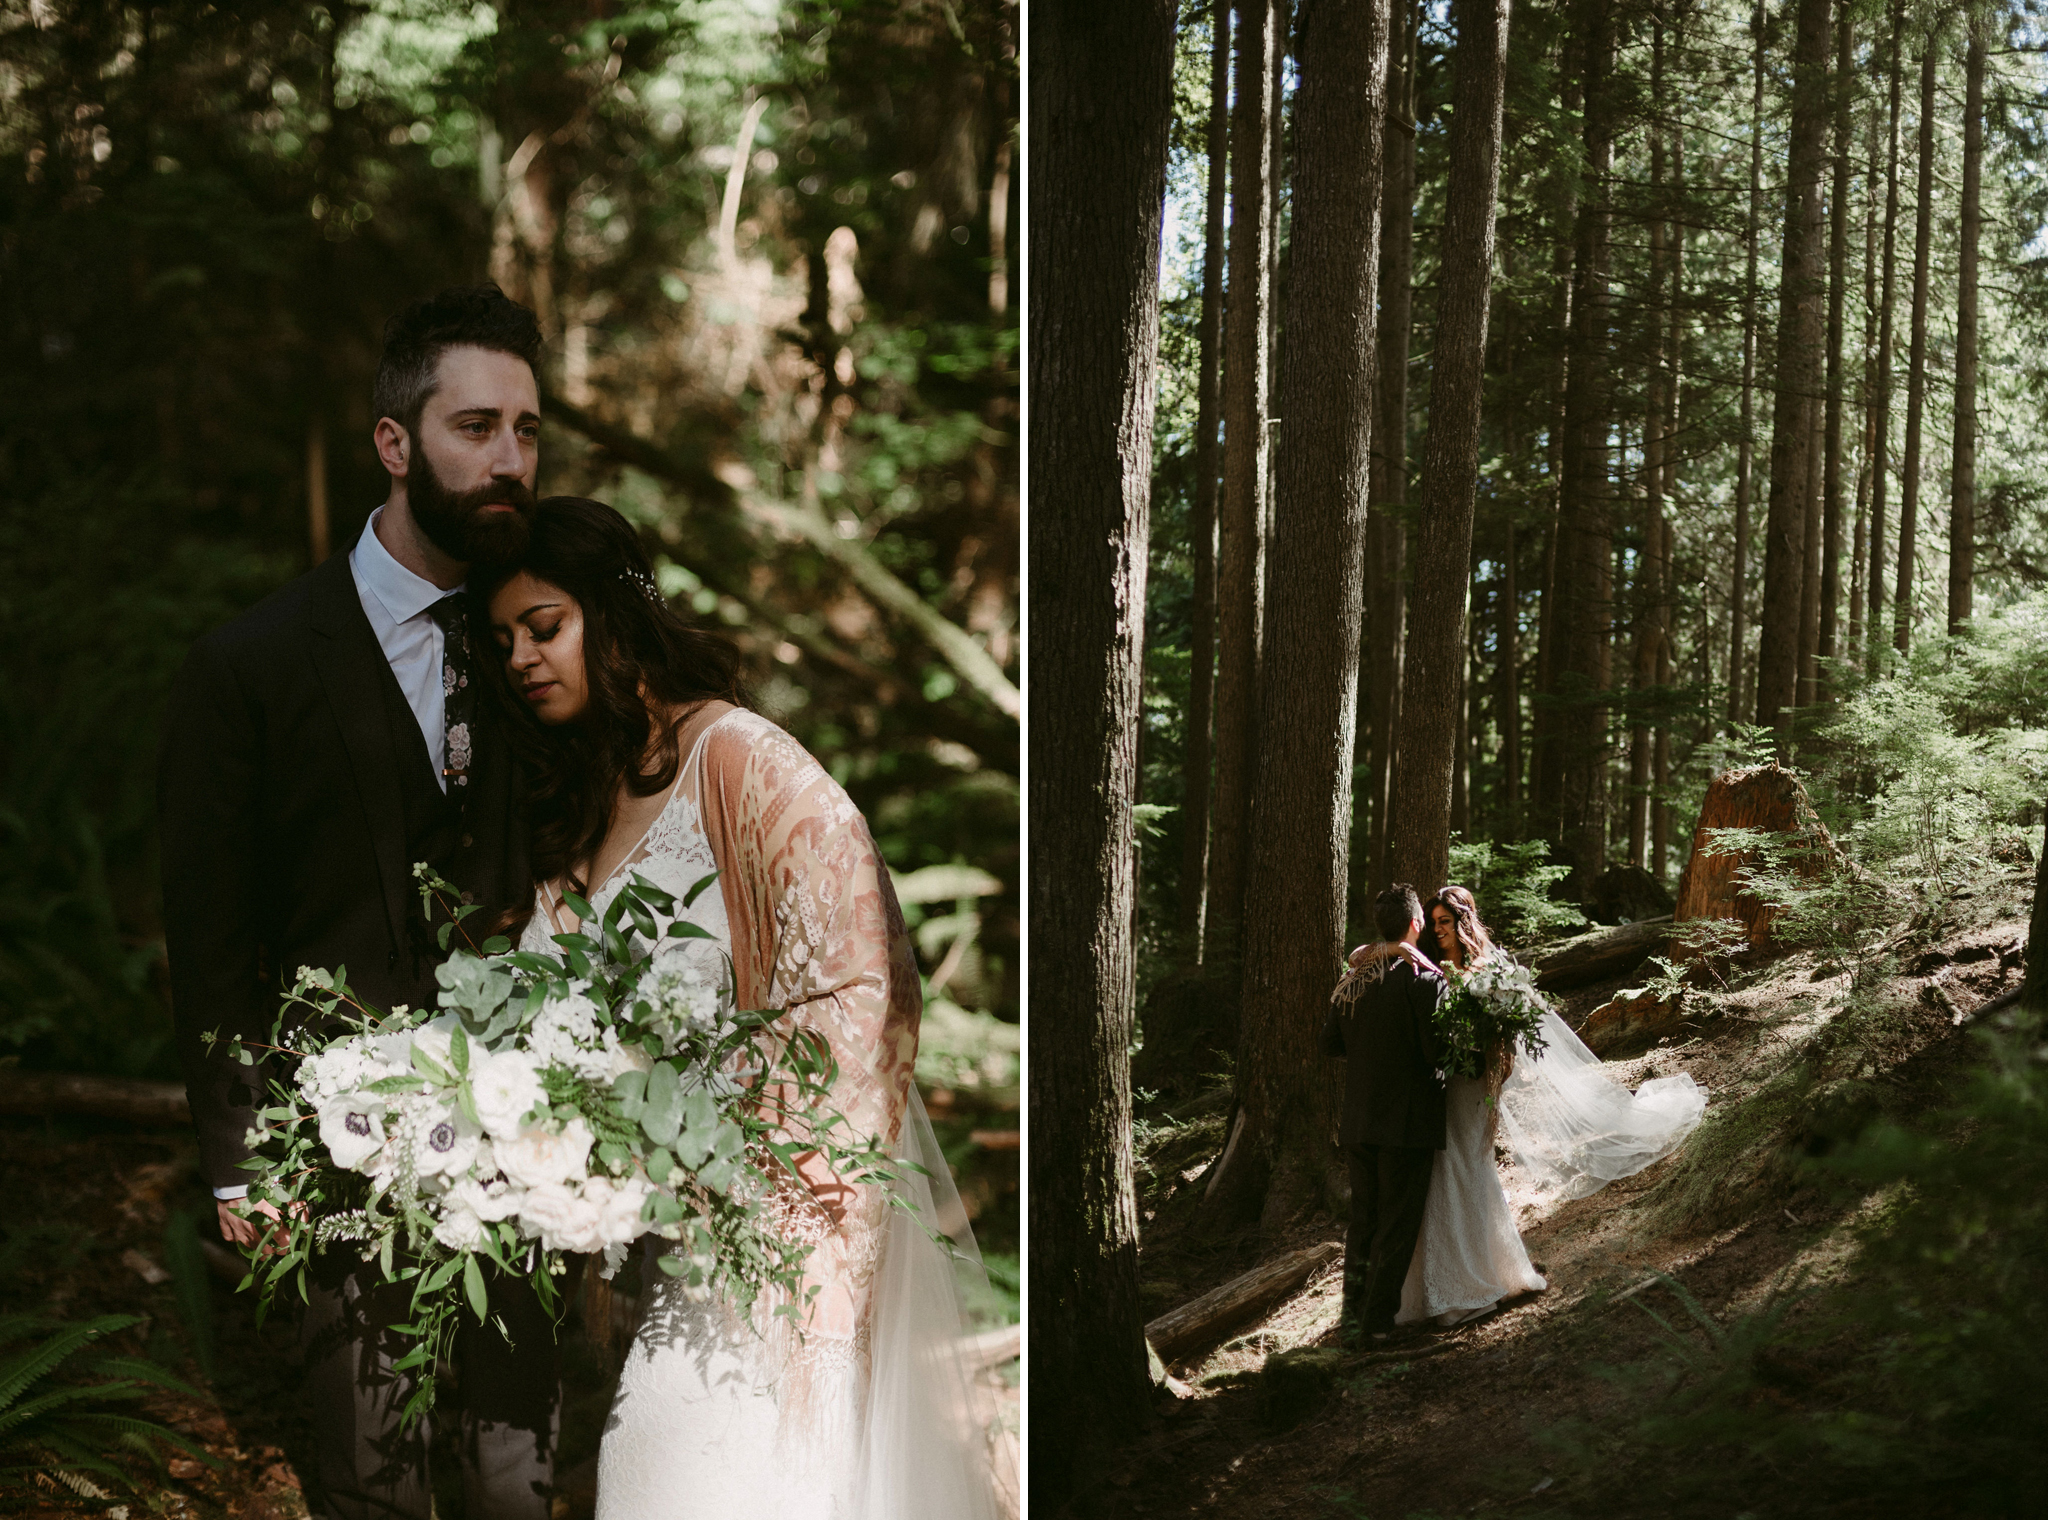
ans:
x=353 y=671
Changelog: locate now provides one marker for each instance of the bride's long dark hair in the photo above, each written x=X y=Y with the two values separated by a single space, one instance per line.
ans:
x=1474 y=943
x=640 y=660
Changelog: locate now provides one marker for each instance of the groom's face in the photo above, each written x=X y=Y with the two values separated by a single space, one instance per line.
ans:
x=469 y=479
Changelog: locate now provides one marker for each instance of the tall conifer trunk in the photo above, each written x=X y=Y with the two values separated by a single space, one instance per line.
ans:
x=1745 y=453
x=1585 y=561
x=1859 y=556
x=1386 y=538
x=1838 y=296
x=1240 y=542
x=1101 y=100
x=1194 y=866
x=1433 y=688
x=1881 y=406
x=1916 y=360
x=1295 y=903
x=1962 y=518
x=1648 y=591
x=1801 y=288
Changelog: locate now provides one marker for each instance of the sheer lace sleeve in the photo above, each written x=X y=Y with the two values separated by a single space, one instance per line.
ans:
x=816 y=931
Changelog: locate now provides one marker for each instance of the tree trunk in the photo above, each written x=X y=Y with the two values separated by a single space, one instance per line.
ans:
x=1241 y=547
x=1648 y=592
x=1838 y=295
x=1387 y=487
x=1101 y=101
x=1660 y=762
x=1859 y=556
x=1509 y=644
x=1432 y=689
x=1916 y=359
x=1301 y=810
x=1881 y=405
x=1764 y=797
x=1194 y=866
x=1585 y=571
x=1962 y=516
x=1801 y=286
x=1745 y=454
x=1809 y=577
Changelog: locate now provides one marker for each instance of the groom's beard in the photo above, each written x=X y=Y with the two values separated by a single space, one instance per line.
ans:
x=459 y=524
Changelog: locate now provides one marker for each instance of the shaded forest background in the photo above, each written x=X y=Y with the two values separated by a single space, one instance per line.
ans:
x=770 y=245
x=1519 y=417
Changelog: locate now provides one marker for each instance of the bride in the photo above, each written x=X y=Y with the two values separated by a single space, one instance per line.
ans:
x=853 y=1404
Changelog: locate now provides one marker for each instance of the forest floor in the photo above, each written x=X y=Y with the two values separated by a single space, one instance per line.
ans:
x=1505 y=1415
x=105 y=1218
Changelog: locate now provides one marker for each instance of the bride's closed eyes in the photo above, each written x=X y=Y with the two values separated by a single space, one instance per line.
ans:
x=539 y=630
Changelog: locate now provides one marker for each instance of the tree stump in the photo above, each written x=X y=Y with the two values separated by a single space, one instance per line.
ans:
x=1761 y=797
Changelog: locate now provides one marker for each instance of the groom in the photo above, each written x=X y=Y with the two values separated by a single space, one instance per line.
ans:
x=1393 y=1110
x=314 y=749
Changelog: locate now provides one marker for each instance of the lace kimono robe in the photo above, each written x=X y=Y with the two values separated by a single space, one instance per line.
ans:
x=865 y=1411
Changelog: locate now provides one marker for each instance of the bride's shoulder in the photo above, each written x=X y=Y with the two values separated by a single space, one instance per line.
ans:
x=738 y=740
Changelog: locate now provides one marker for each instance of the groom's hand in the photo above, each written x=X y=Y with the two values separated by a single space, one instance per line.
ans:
x=241 y=1229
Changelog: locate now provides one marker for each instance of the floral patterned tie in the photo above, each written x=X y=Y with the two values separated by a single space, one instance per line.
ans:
x=458 y=695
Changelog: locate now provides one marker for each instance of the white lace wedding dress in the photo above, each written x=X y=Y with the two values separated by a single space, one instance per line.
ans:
x=1569 y=1128
x=1470 y=1255
x=869 y=1412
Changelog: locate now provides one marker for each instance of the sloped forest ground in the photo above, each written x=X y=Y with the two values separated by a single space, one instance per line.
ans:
x=1779 y=1366
x=99 y=1217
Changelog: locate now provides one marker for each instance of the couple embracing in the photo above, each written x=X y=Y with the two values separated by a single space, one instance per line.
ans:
x=492 y=684
x=1432 y=1236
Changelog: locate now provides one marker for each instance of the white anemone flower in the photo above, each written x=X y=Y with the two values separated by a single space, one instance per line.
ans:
x=352 y=1129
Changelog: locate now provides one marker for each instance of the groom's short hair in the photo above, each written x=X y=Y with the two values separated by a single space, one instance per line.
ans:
x=1395 y=909
x=472 y=316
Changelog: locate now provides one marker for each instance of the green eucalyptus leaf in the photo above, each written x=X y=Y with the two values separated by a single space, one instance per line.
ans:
x=473 y=1285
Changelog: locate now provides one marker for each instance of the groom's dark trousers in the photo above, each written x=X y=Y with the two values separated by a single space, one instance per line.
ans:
x=1393 y=1128
x=296 y=791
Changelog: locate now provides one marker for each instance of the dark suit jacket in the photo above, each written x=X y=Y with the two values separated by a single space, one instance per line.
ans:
x=1392 y=1094
x=294 y=792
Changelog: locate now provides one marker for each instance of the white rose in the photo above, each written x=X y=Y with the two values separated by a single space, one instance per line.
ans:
x=505 y=1088
x=537 y=1156
x=352 y=1129
x=460 y=1228
x=489 y=1201
x=562 y=1220
x=621 y=1059
x=435 y=1039
x=619 y=1204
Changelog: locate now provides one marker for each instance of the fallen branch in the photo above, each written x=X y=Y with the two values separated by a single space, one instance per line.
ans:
x=992 y=1348
x=41 y=1093
x=1194 y=1324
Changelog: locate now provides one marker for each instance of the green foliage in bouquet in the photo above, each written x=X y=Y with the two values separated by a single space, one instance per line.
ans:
x=558 y=1104
x=1490 y=1006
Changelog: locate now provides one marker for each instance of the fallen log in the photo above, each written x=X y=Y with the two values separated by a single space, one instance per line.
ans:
x=1602 y=954
x=37 y=1093
x=992 y=1348
x=1181 y=1330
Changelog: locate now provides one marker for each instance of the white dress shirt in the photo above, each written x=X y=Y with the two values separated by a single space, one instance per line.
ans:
x=396 y=602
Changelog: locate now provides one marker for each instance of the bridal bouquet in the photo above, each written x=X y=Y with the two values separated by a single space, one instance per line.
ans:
x=554 y=1104
x=1491 y=1005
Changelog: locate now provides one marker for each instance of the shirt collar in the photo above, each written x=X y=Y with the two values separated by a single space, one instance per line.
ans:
x=401 y=593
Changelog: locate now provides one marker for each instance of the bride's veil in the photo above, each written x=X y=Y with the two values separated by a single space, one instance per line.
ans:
x=1572 y=1129
x=928 y=1452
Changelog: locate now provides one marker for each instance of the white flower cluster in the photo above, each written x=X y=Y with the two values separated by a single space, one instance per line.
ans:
x=517 y=1159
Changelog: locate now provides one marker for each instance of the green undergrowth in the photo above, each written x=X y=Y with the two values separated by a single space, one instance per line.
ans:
x=1910 y=1382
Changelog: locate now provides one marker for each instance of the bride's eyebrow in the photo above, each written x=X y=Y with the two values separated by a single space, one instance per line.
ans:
x=536 y=607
